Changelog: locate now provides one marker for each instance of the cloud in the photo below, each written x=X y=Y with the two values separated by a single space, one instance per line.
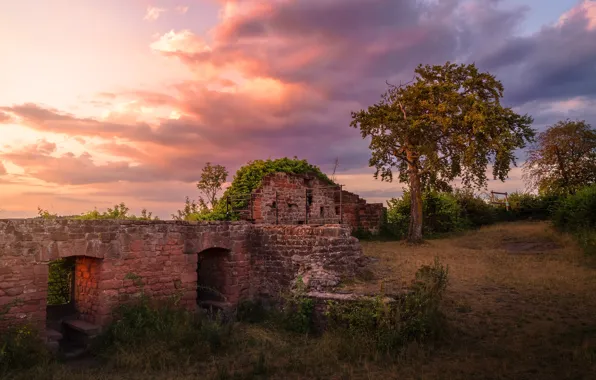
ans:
x=2 y=169
x=556 y=63
x=5 y=117
x=181 y=9
x=277 y=79
x=153 y=13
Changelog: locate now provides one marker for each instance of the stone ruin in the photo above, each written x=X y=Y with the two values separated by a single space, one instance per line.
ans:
x=116 y=260
x=306 y=199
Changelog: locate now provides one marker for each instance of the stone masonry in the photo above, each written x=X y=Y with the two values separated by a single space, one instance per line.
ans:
x=117 y=260
x=305 y=199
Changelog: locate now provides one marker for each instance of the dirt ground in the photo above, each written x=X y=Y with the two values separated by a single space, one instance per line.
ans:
x=521 y=302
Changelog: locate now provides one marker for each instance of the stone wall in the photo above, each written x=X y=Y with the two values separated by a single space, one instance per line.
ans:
x=86 y=287
x=359 y=214
x=293 y=199
x=116 y=260
x=320 y=256
x=305 y=199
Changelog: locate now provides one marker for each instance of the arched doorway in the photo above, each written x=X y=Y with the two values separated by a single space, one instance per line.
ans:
x=212 y=275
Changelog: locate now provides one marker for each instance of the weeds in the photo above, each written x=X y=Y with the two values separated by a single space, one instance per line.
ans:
x=148 y=336
x=21 y=347
x=387 y=326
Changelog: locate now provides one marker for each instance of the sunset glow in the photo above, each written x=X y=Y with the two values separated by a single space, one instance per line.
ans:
x=124 y=101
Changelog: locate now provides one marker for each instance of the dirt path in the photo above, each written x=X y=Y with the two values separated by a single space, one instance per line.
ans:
x=521 y=302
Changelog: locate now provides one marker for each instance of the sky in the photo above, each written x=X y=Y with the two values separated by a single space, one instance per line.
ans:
x=109 y=101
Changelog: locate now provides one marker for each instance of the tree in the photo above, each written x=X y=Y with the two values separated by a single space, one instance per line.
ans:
x=212 y=179
x=563 y=158
x=446 y=123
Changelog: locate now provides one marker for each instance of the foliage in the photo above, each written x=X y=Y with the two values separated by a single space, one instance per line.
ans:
x=21 y=348
x=211 y=182
x=158 y=336
x=447 y=123
x=387 y=326
x=193 y=212
x=297 y=309
x=441 y=212
x=120 y=211
x=60 y=277
x=250 y=176
x=475 y=211
x=532 y=206
x=563 y=159
x=577 y=214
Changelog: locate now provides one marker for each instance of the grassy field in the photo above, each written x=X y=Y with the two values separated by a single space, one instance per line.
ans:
x=520 y=304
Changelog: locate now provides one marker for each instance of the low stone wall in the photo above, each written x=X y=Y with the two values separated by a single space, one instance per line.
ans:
x=320 y=256
x=116 y=260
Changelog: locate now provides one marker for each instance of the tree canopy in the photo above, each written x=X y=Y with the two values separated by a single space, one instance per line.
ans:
x=212 y=179
x=563 y=158
x=447 y=123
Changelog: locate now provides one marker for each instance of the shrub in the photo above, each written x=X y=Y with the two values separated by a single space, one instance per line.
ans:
x=386 y=327
x=60 y=276
x=250 y=176
x=530 y=206
x=577 y=214
x=297 y=310
x=21 y=348
x=149 y=336
x=475 y=212
x=441 y=214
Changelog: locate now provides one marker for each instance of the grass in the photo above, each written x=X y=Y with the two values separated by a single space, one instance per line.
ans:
x=519 y=304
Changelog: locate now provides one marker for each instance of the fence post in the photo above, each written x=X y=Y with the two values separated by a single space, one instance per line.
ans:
x=341 y=214
x=276 y=208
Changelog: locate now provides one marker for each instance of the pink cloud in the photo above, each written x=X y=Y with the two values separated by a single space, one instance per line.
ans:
x=182 y=9
x=153 y=13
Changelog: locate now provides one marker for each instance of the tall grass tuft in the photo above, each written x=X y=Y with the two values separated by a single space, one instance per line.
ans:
x=380 y=327
x=150 y=336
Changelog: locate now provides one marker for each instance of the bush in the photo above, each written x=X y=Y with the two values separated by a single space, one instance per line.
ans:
x=576 y=214
x=250 y=176
x=377 y=325
x=21 y=348
x=441 y=214
x=530 y=206
x=475 y=211
x=148 y=336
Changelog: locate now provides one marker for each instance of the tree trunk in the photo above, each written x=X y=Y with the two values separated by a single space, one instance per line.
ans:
x=415 y=229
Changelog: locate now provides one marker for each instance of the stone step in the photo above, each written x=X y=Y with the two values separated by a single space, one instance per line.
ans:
x=215 y=305
x=80 y=333
x=84 y=327
x=53 y=335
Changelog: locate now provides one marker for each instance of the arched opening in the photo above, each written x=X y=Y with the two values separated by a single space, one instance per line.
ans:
x=72 y=302
x=212 y=276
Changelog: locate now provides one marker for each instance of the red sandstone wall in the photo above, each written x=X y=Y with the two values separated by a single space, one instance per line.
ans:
x=321 y=256
x=86 y=287
x=110 y=256
x=282 y=199
x=116 y=260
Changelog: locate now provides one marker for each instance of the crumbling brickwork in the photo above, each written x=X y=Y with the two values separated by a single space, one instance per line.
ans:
x=305 y=199
x=319 y=256
x=116 y=260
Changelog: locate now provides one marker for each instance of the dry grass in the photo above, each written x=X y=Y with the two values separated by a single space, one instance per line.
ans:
x=520 y=303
